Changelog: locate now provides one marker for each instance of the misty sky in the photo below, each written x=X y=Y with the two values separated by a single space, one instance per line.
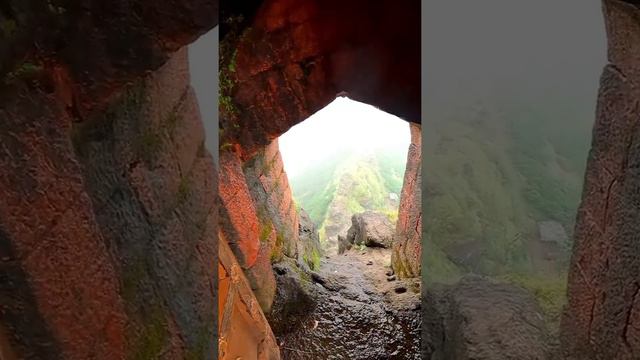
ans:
x=203 y=66
x=476 y=48
x=518 y=48
x=343 y=125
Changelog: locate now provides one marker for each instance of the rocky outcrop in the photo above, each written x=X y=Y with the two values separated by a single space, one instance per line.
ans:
x=269 y=187
x=370 y=229
x=407 y=247
x=294 y=299
x=602 y=319
x=260 y=221
x=244 y=330
x=480 y=319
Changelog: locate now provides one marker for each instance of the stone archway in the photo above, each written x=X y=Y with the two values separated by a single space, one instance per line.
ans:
x=281 y=62
x=288 y=61
x=49 y=90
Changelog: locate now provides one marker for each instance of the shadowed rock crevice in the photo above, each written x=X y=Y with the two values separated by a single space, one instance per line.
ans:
x=23 y=330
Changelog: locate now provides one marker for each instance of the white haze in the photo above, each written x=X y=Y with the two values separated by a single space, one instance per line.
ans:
x=345 y=126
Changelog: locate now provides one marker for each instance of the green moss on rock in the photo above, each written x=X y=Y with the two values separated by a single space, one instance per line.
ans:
x=154 y=336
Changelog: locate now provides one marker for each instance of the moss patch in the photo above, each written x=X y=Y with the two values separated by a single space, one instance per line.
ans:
x=184 y=189
x=8 y=27
x=265 y=232
x=154 y=336
x=550 y=292
x=312 y=258
x=24 y=71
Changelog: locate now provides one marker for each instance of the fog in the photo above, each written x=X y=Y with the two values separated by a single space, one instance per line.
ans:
x=203 y=68
x=344 y=126
x=510 y=90
x=511 y=49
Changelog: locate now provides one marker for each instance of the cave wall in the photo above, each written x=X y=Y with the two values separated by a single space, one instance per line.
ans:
x=108 y=224
x=602 y=319
x=107 y=241
x=407 y=243
x=258 y=216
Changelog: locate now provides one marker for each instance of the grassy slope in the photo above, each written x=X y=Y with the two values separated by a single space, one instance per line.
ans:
x=491 y=175
x=357 y=183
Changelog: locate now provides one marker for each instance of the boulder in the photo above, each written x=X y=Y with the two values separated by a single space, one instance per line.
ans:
x=482 y=319
x=294 y=296
x=371 y=229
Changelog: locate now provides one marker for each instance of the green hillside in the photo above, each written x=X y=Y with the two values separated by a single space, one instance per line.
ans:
x=491 y=176
x=347 y=183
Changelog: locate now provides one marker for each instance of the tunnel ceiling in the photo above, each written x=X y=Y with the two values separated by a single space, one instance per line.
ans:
x=295 y=56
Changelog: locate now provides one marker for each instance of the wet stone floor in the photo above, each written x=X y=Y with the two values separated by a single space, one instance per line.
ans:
x=362 y=312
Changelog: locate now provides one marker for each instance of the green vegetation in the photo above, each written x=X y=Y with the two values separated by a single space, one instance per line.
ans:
x=154 y=336
x=265 y=232
x=8 y=27
x=391 y=164
x=493 y=174
x=25 y=70
x=350 y=184
x=226 y=146
x=226 y=74
x=550 y=292
x=437 y=268
x=492 y=177
x=312 y=258
x=314 y=190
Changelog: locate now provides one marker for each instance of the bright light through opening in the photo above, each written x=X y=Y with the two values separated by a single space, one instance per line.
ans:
x=343 y=126
x=347 y=158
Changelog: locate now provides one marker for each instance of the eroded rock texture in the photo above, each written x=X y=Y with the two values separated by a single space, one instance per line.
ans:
x=107 y=247
x=602 y=320
x=407 y=246
x=258 y=216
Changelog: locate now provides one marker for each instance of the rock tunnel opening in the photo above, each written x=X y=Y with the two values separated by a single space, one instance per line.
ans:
x=280 y=62
x=345 y=164
x=339 y=174
x=311 y=295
